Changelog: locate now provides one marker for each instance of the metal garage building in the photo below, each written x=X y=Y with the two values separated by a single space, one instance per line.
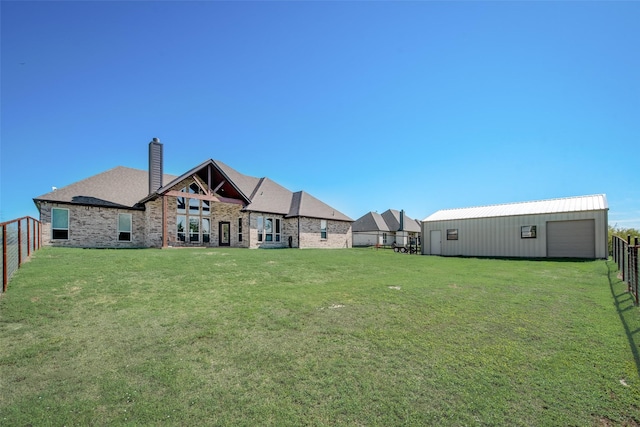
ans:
x=572 y=227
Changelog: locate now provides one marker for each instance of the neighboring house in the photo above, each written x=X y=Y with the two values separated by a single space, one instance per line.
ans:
x=390 y=227
x=209 y=205
x=572 y=227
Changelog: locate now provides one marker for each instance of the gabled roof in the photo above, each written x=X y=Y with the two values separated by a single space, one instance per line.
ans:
x=129 y=188
x=389 y=220
x=371 y=221
x=392 y=218
x=567 y=204
x=118 y=187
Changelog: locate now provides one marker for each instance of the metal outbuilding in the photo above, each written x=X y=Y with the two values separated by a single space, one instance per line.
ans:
x=572 y=227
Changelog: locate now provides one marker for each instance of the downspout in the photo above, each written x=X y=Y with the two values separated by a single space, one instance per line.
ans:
x=298 y=232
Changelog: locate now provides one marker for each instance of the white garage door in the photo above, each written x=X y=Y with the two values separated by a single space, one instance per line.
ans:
x=571 y=239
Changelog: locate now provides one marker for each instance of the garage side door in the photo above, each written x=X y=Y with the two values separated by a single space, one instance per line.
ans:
x=571 y=239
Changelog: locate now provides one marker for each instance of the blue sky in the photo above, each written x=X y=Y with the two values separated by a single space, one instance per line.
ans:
x=367 y=106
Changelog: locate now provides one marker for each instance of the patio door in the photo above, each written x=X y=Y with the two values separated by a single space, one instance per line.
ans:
x=224 y=235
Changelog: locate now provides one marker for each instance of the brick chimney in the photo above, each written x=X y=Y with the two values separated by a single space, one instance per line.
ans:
x=155 y=165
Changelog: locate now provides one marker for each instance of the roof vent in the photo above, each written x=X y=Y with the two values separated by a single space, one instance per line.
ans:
x=155 y=165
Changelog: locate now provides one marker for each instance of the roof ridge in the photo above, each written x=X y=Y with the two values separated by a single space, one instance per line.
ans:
x=525 y=202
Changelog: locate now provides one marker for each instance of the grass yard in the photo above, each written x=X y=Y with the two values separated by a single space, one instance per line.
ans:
x=353 y=337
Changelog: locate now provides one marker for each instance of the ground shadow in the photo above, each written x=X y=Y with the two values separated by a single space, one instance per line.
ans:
x=624 y=302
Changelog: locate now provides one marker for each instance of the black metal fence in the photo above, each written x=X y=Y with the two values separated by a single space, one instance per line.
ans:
x=625 y=255
x=20 y=238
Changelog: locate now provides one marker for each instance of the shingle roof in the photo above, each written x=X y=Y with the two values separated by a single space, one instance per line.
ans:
x=371 y=221
x=567 y=204
x=129 y=188
x=389 y=220
x=304 y=204
x=117 y=187
x=392 y=218
x=269 y=196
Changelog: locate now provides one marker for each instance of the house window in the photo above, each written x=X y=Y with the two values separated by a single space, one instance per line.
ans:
x=60 y=224
x=528 y=232
x=124 y=227
x=268 y=229
x=206 y=230
x=194 y=229
x=452 y=234
x=193 y=222
x=239 y=229
x=384 y=238
x=182 y=207
x=181 y=224
x=323 y=229
x=260 y=227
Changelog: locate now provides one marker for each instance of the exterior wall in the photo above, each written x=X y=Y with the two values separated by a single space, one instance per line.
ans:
x=367 y=238
x=93 y=227
x=153 y=223
x=338 y=234
x=500 y=236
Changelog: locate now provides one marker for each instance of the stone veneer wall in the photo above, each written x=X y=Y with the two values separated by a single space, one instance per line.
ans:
x=220 y=212
x=153 y=223
x=338 y=234
x=93 y=227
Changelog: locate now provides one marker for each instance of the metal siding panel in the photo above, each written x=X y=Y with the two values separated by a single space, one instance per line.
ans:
x=500 y=236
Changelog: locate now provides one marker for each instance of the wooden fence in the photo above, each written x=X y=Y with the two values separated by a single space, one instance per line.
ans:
x=626 y=256
x=20 y=238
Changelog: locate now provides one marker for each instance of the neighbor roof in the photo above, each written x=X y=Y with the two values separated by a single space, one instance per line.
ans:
x=371 y=221
x=568 y=204
x=392 y=218
x=389 y=220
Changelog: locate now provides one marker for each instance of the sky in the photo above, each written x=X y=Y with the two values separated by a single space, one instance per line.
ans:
x=366 y=105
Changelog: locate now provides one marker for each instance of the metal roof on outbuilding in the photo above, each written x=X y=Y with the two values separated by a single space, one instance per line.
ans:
x=568 y=204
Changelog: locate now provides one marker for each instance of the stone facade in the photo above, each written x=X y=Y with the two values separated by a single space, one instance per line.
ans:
x=93 y=227
x=338 y=234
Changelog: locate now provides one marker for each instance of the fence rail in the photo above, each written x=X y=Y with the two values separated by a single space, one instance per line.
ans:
x=626 y=256
x=20 y=238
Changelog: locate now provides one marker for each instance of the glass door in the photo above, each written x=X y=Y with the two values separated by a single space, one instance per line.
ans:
x=224 y=234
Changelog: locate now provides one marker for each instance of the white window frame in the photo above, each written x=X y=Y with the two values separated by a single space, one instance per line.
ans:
x=130 y=230
x=323 y=229
x=260 y=227
x=52 y=224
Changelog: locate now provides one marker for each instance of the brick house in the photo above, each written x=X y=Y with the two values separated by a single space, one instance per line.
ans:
x=390 y=227
x=210 y=205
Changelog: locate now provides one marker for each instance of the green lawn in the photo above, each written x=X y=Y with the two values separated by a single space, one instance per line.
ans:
x=358 y=337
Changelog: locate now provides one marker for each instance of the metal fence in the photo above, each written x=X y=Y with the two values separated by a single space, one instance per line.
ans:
x=626 y=256
x=20 y=238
